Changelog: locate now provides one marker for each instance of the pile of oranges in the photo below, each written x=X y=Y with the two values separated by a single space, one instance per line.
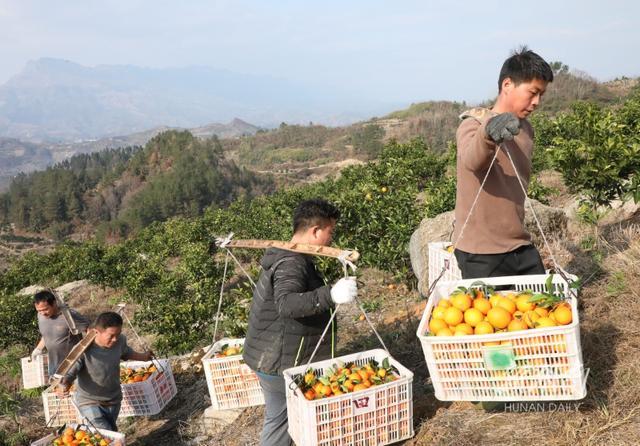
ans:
x=470 y=311
x=229 y=350
x=130 y=376
x=346 y=378
x=79 y=437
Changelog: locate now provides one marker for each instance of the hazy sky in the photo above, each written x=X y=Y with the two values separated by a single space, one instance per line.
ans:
x=400 y=51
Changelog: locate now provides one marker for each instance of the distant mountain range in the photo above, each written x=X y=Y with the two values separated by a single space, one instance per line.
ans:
x=55 y=100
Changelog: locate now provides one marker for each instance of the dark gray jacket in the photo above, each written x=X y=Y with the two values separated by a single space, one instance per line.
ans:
x=291 y=307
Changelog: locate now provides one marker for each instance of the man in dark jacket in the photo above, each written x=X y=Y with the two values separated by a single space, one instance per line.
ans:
x=290 y=309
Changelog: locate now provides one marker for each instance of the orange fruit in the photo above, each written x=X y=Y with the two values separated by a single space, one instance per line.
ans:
x=444 y=303
x=461 y=301
x=438 y=313
x=482 y=304
x=473 y=316
x=545 y=322
x=349 y=385
x=444 y=332
x=499 y=317
x=523 y=304
x=359 y=387
x=563 y=315
x=493 y=299
x=464 y=328
x=436 y=325
x=507 y=304
x=483 y=328
x=516 y=325
x=310 y=394
x=542 y=312
x=453 y=316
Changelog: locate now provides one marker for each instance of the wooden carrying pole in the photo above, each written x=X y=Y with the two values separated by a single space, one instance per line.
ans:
x=71 y=358
x=302 y=248
x=64 y=309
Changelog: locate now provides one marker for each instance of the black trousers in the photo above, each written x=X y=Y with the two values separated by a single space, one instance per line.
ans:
x=521 y=261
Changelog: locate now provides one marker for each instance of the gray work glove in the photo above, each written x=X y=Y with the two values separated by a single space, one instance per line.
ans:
x=35 y=353
x=503 y=127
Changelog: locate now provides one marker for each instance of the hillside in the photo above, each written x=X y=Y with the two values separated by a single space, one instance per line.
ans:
x=122 y=190
x=24 y=157
x=178 y=251
x=170 y=277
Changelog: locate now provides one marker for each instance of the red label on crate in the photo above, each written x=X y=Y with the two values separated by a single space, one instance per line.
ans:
x=363 y=404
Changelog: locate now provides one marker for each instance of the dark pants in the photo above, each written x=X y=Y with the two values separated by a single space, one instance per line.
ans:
x=274 y=430
x=521 y=261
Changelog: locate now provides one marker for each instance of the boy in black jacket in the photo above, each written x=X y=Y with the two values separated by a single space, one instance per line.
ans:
x=291 y=307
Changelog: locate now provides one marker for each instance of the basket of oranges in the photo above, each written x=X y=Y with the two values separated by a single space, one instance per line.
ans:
x=79 y=434
x=363 y=398
x=232 y=384
x=147 y=387
x=514 y=338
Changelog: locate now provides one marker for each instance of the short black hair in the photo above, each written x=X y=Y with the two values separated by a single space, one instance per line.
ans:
x=44 y=296
x=108 y=319
x=315 y=212
x=523 y=66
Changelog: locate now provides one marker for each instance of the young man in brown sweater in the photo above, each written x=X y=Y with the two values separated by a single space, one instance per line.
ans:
x=495 y=241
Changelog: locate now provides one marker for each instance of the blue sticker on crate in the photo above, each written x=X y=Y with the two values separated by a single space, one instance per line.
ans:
x=499 y=357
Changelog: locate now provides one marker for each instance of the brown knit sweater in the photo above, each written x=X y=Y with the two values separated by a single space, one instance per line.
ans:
x=497 y=222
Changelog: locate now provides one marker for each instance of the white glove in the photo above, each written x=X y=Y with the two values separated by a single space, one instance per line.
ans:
x=344 y=291
x=35 y=353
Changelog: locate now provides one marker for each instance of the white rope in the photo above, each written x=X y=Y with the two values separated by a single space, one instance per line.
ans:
x=224 y=277
x=475 y=200
x=366 y=316
x=239 y=265
x=464 y=225
x=142 y=343
x=333 y=315
x=557 y=267
x=222 y=242
x=343 y=258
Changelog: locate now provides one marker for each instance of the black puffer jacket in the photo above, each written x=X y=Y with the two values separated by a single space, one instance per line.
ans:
x=291 y=307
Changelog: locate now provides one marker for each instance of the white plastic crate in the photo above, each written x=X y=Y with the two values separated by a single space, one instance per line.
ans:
x=439 y=257
x=148 y=397
x=59 y=411
x=380 y=415
x=543 y=363
x=35 y=373
x=117 y=439
x=232 y=384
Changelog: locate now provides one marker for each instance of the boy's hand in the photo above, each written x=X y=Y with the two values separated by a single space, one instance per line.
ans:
x=344 y=291
x=148 y=355
x=503 y=127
